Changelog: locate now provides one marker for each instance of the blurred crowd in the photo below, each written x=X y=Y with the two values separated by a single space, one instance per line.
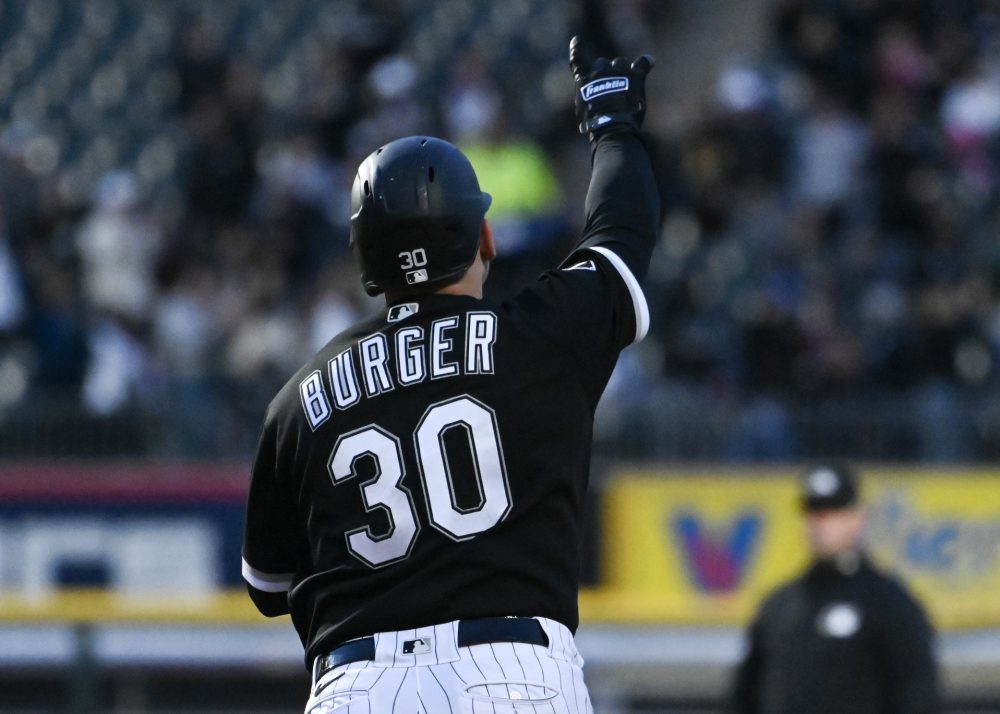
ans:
x=174 y=269
x=174 y=217
x=831 y=250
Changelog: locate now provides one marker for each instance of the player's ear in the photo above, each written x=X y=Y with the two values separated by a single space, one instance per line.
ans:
x=487 y=249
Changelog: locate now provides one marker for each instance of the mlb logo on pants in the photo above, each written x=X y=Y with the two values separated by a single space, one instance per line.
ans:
x=420 y=645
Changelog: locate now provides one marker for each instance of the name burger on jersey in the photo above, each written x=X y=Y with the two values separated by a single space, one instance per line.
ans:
x=379 y=363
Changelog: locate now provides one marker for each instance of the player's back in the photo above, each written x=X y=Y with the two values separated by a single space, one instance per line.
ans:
x=444 y=448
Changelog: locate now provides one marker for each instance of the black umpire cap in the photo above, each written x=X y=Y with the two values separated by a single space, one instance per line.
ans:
x=829 y=486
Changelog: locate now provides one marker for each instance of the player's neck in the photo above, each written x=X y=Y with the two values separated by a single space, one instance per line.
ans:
x=470 y=284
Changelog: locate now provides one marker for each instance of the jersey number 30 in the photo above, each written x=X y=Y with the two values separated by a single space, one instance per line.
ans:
x=386 y=490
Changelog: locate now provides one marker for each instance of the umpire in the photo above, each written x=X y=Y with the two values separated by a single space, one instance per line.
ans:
x=843 y=637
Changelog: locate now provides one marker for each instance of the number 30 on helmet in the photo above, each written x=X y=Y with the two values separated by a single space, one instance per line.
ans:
x=417 y=212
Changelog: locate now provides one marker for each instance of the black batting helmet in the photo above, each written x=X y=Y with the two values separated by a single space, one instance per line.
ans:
x=416 y=215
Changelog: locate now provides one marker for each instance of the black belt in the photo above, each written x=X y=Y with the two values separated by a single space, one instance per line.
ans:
x=479 y=631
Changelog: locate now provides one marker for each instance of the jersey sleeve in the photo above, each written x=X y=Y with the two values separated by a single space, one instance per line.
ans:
x=271 y=532
x=593 y=304
x=632 y=311
x=623 y=203
x=601 y=279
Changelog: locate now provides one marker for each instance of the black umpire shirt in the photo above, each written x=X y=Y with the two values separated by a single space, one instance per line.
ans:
x=429 y=464
x=842 y=639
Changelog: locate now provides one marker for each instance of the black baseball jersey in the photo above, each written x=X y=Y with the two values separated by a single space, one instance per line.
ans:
x=839 y=640
x=429 y=464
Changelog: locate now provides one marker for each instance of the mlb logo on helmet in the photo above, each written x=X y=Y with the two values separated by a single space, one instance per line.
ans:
x=416 y=276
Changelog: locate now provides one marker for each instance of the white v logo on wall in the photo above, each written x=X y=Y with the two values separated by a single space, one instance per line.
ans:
x=583 y=265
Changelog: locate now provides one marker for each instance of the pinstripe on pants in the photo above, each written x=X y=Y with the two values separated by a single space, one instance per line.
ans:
x=497 y=678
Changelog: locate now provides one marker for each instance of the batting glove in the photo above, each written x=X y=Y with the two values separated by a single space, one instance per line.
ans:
x=608 y=93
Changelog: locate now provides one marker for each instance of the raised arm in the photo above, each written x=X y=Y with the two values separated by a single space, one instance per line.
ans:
x=623 y=202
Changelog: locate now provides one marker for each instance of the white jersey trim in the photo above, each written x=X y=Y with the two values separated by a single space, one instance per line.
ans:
x=634 y=289
x=266 y=582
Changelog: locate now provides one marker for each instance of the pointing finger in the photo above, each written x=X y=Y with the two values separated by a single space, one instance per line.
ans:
x=579 y=61
x=643 y=65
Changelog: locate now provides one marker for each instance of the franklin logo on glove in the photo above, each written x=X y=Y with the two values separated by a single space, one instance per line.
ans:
x=600 y=87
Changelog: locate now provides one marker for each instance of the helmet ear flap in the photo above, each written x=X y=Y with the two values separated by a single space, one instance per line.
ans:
x=417 y=212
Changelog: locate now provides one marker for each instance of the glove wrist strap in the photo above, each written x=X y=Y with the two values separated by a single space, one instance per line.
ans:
x=600 y=122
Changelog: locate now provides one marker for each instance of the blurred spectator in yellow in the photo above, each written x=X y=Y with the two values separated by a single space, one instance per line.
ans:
x=526 y=209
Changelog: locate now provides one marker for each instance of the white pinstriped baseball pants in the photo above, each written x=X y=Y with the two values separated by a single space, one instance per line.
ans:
x=497 y=678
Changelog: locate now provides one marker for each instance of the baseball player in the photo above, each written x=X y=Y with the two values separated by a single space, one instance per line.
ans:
x=844 y=637
x=416 y=496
